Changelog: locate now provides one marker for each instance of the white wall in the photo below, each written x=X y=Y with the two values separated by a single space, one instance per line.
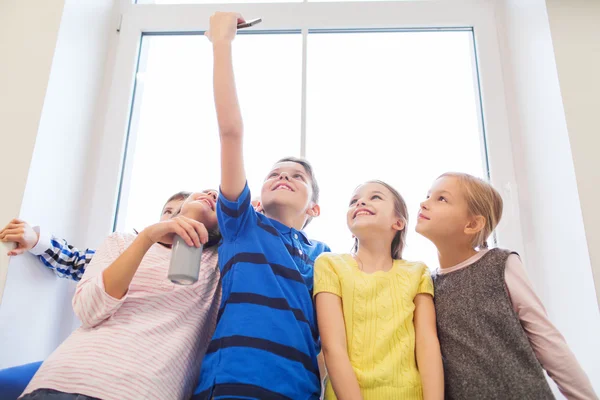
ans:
x=24 y=25
x=36 y=313
x=575 y=28
x=556 y=251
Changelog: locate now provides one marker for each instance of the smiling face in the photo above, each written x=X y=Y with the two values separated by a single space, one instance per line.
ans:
x=202 y=207
x=376 y=210
x=288 y=190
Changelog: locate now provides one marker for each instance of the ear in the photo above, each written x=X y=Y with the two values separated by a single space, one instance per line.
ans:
x=314 y=211
x=475 y=225
x=257 y=206
x=399 y=225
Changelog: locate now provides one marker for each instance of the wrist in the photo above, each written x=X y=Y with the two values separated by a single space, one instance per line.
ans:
x=222 y=44
x=43 y=242
x=143 y=239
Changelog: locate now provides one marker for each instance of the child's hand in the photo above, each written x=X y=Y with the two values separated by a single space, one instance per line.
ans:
x=223 y=27
x=22 y=234
x=191 y=231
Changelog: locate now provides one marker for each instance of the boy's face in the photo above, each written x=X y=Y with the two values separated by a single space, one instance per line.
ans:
x=170 y=209
x=287 y=185
x=202 y=207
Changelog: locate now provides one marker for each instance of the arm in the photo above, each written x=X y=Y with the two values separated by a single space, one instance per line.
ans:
x=65 y=260
x=429 y=356
x=546 y=341
x=91 y=303
x=223 y=27
x=117 y=277
x=103 y=288
x=333 y=338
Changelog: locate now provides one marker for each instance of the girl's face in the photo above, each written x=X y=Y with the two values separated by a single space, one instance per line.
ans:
x=444 y=215
x=202 y=207
x=371 y=210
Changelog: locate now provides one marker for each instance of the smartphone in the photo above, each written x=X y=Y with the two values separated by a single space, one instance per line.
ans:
x=250 y=23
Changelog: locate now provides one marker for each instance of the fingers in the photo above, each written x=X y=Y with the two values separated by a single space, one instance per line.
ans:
x=12 y=236
x=17 y=251
x=191 y=231
x=185 y=229
x=200 y=230
x=196 y=230
x=12 y=228
x=182 y=233
x=223 y=26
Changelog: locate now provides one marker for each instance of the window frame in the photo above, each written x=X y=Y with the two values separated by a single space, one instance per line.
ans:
x=113 y=172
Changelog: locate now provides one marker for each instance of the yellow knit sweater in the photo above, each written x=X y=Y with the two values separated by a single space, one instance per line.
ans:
x=378 y=312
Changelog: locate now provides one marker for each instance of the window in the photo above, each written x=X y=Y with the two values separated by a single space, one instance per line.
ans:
x=397 y=96
x=174 y=142
x=396 y=106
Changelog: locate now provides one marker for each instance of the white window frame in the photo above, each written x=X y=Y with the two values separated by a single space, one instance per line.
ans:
x=419 y=14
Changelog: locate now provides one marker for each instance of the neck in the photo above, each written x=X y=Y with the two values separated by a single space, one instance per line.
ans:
x=375 y=255
x=282 y=214
x=451 y=254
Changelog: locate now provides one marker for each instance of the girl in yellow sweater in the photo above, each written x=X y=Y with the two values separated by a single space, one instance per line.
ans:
x=375 y=310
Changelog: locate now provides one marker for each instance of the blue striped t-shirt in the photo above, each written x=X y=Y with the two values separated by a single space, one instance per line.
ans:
x=266 y=341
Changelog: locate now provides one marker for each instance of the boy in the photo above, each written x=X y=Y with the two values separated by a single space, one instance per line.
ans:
x=266 y=342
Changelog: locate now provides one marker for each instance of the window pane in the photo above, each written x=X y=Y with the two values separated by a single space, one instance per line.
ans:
x=400 y=107
x=174 y=143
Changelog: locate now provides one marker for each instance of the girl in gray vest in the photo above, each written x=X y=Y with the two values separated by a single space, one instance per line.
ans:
x=495 y=336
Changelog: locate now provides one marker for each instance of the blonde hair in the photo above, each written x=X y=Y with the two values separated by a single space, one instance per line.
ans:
x=482 y=200
x=399 y=241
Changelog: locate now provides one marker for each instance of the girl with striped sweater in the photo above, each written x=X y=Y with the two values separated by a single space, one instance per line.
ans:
x=141 y=337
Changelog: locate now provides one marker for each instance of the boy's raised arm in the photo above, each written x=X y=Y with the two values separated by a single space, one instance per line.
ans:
x=222 y=31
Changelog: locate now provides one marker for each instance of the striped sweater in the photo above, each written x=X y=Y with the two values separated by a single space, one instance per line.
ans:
x=147 y=345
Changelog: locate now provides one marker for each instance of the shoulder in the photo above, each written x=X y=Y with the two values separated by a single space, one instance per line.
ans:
x=123 y=239
x=319 y=247
x=334 y=260
x=500 y=257
x=114 y=244
x=333 y=257
x=236 y=207
x=497 y=251
x=413 y=266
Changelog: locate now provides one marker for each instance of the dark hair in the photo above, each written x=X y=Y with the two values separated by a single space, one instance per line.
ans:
x=401 y=210
x=178 y=196
x=313 y=180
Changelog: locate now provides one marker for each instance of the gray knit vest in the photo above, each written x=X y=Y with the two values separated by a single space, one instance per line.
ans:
x=485 y=350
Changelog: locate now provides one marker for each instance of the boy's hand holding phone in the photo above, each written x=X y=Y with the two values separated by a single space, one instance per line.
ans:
x=223 y=26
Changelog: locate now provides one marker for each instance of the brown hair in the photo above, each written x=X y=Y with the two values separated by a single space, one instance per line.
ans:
x=178 y=196
x=482 y=200
x=399 y=241
x=313 y=180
